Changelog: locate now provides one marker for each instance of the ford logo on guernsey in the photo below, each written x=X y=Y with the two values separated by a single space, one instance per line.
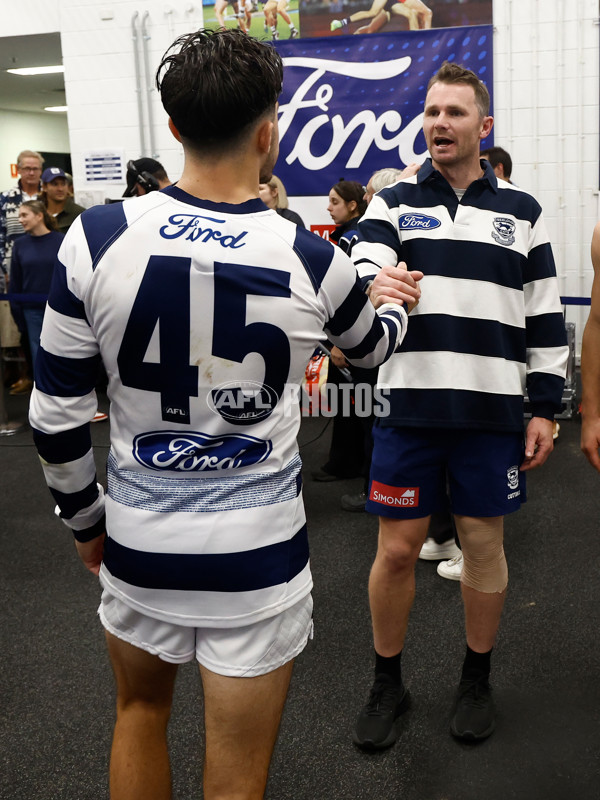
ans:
x=413 y=222
x=198 y=452
x=243 y=402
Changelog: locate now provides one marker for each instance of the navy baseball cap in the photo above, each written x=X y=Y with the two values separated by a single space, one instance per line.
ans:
x=49 y=174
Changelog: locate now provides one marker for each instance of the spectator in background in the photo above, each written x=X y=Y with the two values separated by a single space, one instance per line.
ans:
x=145 y=175
x=500 y=160
x=32 y=265
x=29 y=168
x=274 y=195
x=70 y=184
x=58 y=201
x=347 y=454
x=346 y=206
x=384 y=177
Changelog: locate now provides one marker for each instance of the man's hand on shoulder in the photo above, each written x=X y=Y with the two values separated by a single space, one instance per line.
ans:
x=396 y=285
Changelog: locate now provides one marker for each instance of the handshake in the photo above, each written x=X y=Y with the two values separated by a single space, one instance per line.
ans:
x=396 y=285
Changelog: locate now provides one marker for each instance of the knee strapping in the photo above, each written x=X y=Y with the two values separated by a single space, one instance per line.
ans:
x=485 y=568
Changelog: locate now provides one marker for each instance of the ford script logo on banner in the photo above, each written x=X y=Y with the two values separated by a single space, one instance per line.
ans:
x=354 y=104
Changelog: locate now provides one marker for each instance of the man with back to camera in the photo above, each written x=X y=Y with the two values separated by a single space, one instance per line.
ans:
x=145 y=175
x=489 y=326
x=204 y=305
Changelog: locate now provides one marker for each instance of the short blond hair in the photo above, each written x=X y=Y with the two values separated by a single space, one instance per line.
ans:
x=29 y=154
x=383 y=178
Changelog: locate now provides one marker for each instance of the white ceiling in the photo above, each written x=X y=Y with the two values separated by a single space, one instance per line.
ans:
x=31 y=93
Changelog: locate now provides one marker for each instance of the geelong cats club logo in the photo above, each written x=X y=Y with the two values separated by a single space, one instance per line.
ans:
x=504 y=230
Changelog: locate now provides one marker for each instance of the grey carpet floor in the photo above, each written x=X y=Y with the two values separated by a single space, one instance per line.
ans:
x=56 y=690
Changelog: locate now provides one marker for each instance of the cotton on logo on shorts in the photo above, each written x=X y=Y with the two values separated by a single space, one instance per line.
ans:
x=403 y=496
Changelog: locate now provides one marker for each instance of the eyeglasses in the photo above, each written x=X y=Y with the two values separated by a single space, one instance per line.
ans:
x=30 y=169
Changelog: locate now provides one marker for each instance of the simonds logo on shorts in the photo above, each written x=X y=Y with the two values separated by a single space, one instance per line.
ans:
x=398 y=496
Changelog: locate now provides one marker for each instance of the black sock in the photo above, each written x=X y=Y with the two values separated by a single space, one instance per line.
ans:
x=389 y=666
x=476 y=664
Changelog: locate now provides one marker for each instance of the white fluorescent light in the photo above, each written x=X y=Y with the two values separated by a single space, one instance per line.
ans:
x=56 y=108
x=37 y=70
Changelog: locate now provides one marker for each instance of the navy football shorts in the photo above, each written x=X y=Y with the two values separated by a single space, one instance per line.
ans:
x=413 y=470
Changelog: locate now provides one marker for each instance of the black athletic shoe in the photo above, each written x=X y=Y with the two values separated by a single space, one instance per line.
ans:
x=354 y=502
x=375 y=727
x=474 y=716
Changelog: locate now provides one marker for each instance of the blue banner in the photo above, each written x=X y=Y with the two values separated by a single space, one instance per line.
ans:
x=354 y=104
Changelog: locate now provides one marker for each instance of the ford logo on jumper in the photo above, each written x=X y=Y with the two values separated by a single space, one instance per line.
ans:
x=412 y=222
x=198 y=452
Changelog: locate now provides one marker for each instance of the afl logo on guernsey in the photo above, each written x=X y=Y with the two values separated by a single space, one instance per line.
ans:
x=413 y=222
x=198 y=452
x=243 y=402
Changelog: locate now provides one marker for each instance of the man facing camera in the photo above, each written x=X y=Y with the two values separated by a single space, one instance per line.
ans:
x=488 y=328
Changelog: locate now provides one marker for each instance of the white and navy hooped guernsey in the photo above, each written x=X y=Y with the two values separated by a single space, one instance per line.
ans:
x=489 y=325
x=204 y=315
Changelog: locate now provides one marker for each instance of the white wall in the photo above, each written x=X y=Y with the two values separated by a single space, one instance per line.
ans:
x=546 y=82
x=100 y=79
x=23 y=131
x=28 y=17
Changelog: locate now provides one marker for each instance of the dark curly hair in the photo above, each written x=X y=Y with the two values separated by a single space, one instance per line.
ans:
x=215 y=84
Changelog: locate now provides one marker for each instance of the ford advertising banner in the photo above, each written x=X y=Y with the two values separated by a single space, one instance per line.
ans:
x=354 y=104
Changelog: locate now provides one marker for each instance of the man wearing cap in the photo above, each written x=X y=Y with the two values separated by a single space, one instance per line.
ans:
x=145 y=175
x=58 y=201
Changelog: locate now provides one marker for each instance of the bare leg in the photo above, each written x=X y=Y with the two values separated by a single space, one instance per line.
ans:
x=285 y=16
x=376 y=24
x=482 y=617
x=392 y=580
x=139 y=761
x=376 y=7
x=422 y=12
x=400 y=10
x=220 y=8
x=242 y=718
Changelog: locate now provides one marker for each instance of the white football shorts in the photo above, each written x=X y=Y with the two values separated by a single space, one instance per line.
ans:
x=243 y=652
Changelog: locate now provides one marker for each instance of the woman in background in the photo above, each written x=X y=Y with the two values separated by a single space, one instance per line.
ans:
x=347 y=456
x=274 y=195
x=31 y=269
x=346 y=206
